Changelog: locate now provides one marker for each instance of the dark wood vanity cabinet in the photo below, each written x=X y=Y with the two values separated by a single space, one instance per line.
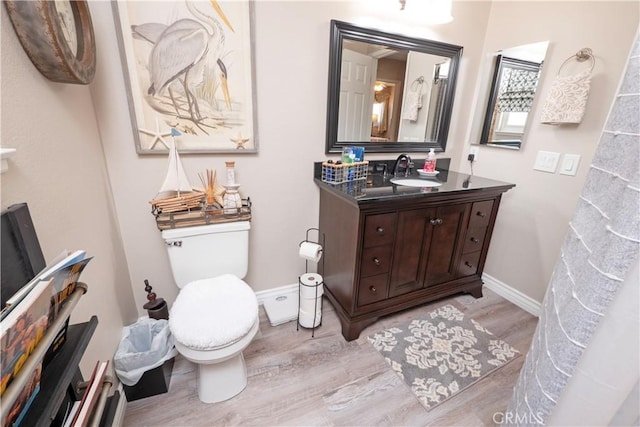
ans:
x=384 y=256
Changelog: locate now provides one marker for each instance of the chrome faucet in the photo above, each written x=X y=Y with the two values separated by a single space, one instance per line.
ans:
x=398 y=163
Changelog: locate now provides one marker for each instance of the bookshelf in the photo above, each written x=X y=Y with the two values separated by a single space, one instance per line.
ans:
x=62 y=375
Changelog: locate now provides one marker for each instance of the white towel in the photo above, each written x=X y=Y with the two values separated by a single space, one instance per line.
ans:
x=567 y=99
x=413 y=103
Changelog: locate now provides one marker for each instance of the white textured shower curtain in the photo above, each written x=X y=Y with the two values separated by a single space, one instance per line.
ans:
x=596 y=272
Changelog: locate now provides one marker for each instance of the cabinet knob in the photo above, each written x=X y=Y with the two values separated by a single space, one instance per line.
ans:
x=468 y=264
x=475 y=240
x=372 y=288
x=436 y=221
x=380 y=230
x=376 y=261
x=481 y=214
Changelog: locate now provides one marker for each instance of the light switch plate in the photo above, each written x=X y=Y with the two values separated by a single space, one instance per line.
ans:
x=569 y=165
x=547 y=161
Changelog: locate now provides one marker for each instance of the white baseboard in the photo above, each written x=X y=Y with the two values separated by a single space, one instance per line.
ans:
x=274 y=292
x=523 y=301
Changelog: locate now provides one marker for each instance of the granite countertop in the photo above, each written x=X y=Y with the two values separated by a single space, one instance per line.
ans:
x=376 y=187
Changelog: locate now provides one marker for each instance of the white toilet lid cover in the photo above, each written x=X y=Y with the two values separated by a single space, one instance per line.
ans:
x=213 y=312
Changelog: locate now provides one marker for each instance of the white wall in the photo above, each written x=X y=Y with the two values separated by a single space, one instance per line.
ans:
x=534 y=216
x=61 y=165
x=59 y=170
x=291 y=61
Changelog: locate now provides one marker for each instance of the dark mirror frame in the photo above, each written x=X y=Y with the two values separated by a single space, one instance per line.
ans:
x=343 y=30
x=502 y=62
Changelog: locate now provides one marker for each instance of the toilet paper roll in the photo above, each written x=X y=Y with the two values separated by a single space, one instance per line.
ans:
x=310 y=281
x=310 y=251
x=310 y=306
x=311 y=289
x=306 y=319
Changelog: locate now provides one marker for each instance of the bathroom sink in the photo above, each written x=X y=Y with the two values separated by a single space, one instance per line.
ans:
x=415 y=182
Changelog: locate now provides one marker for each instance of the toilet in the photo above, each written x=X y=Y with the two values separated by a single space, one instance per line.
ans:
x=215 y=316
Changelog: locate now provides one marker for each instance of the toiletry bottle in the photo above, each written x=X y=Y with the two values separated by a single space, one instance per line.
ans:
x=348 y=155
x=430 y=162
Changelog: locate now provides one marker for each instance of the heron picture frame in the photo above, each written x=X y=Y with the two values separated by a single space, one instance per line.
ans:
x=188 y=68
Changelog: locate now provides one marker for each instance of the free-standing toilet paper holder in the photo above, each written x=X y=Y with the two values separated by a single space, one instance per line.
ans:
x=316 y=286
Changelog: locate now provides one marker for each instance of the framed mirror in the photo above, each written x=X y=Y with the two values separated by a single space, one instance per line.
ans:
x=514 y=83
x=389 y=92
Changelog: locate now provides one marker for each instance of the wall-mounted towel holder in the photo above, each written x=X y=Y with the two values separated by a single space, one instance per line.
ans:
x=567 y=99
x=584 y=54
x=415 y=85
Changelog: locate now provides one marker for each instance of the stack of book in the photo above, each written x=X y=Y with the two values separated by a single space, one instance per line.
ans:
x=25 y=319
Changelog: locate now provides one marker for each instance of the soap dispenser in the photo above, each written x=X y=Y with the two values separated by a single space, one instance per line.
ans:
x=430 y=162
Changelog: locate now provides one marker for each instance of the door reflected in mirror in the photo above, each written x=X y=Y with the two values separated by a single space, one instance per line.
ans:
x=405 y=88
x=384 y=117
x=514 y=83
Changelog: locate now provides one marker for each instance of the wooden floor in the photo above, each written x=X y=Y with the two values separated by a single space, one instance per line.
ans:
x=296 y=380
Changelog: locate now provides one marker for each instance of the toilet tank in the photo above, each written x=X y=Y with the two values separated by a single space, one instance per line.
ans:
x=208 y=251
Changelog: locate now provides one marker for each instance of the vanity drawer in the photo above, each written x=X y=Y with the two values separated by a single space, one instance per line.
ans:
x=379 y=229
x=474 y=239
x=468 y=264
x=480 y=214
x=375 y=260
x=372 y=289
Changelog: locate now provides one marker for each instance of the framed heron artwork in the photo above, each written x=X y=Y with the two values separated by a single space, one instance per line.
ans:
x=188 y=66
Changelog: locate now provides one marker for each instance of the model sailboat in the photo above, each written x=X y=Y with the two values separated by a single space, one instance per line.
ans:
x=178 y=195
x=176 y=180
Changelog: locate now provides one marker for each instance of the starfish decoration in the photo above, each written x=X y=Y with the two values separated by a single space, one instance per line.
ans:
x=157 y=135
x=239 y=141
x=217 y=191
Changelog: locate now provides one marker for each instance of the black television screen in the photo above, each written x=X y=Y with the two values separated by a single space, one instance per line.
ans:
x=21 y=256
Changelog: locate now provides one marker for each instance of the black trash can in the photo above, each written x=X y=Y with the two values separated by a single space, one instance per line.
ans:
x=144 y=359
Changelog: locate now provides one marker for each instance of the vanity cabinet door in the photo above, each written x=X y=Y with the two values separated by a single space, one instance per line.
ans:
x=410 y=251
x=446 y=243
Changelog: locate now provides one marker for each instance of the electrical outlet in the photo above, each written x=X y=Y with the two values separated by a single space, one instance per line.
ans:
x=474 y=150
x=547 y=161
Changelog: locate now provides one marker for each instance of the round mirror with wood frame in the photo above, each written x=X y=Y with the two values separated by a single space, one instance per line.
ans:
x=57 y=36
